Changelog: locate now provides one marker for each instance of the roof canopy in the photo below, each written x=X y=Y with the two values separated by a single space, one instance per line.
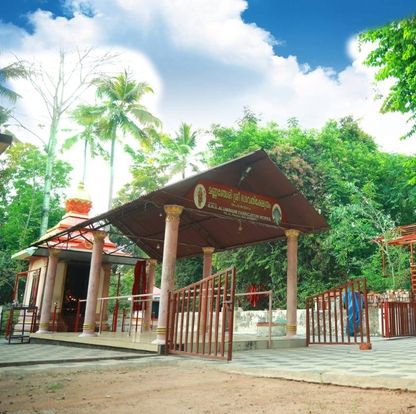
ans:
x=404 y=235
x=228 y=206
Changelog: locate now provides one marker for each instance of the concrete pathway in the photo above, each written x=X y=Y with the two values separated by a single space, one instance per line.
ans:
x=390 y=364
x=30 y=354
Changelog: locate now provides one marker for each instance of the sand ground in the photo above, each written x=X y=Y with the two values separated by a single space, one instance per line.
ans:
x=184 y=387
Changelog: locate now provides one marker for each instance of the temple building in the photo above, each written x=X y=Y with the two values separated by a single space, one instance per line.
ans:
x=239 y=203
x=71 y=257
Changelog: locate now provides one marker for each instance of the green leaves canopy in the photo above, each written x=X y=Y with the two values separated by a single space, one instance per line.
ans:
x=395 y=56
x=359 y=189
x=21 y=203
x=120 y=109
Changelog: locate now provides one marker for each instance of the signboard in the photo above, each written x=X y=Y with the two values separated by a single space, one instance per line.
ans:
x=230 y=201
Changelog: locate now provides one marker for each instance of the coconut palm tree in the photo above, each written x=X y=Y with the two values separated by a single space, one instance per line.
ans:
x=15 y=70
x=179 y=150
x=86 y=116
x=120 y=110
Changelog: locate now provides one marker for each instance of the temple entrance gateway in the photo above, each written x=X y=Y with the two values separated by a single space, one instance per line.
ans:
x=242 y=202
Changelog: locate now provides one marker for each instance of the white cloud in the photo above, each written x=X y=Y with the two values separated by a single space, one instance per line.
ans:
x=205 y=64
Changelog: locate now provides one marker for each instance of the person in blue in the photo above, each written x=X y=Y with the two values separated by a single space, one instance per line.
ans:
x=353 y=303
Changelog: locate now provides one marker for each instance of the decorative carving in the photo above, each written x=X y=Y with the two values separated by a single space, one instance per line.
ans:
x=99 y=235
x=77 y=206
x=79 y=202
x=208 y=250
x=173 y=212
x=292 y=233
x=86 y=244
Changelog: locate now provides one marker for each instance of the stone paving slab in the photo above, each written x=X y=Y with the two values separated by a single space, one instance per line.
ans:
x=390 y=364
x=29 y=354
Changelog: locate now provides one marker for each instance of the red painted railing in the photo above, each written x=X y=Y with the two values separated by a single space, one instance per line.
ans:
x=21 y=322
x=339 y=316
x=398 y=319
x=200 y=317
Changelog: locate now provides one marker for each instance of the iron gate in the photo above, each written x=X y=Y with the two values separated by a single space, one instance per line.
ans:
x=339 y=316
x=200 y=317
x=398 y=319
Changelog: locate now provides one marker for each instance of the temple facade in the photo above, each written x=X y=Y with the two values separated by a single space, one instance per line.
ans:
x=71 y=258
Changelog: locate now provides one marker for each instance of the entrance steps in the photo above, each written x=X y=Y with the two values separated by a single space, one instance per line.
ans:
x=143 y=342
x=23 y=323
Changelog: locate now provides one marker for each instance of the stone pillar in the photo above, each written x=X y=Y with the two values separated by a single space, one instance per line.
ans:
x=88 y=329
x=170 y=246
x=292 y=281
x=206 y=271
x=48 y=291
x=147 y=323
x=207 y=267
x=104 y=294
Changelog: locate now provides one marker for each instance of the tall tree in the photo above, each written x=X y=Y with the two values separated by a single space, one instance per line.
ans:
x=359 y=189
x=120 y=110
x=59 y=91
x=86 y=117
x=21 y=172
x=148 y=174
x=178 y=151
x=395 y=56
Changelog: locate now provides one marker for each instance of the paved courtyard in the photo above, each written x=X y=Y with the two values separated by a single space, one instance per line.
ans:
x=12 y=355
x=390 y=364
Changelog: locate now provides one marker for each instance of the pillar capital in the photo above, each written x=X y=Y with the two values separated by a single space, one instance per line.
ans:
x=173 y=212
x=99 y=235
x=292 y=233
x=152 y=262
x=208 y=250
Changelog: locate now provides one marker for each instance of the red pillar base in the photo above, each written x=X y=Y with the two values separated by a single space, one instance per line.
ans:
x=366 y=347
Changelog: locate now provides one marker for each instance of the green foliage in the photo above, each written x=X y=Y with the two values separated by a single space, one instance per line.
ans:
x=229 y=143
x=148 y=174
x=188 y=270
x=176 y=152
x=86 y=117
x=21 y=202
x=360 y=190
x=16 y=70
x=151 y=171
x=395 y=56
x=120 y=110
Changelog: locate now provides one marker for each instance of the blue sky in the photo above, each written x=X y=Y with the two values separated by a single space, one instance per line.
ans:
x=208 y=59
x=313 y=30
x=316 y=30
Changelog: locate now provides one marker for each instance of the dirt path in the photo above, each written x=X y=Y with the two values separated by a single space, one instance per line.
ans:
x=184 y=388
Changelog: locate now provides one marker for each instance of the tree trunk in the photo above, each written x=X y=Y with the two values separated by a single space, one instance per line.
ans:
x=48 y=176
x=110 y=191
x=84 y=168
